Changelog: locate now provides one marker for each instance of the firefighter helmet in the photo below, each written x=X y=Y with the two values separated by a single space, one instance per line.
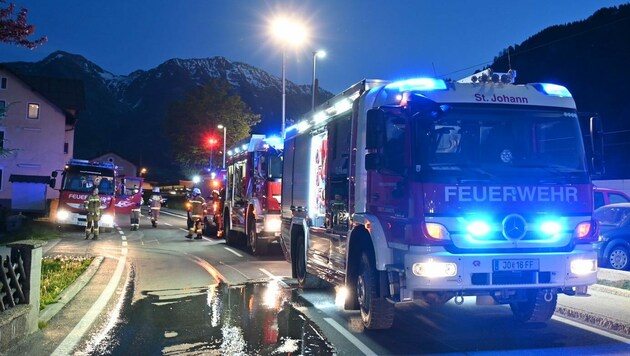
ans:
x=156 y=190
x=196 y=192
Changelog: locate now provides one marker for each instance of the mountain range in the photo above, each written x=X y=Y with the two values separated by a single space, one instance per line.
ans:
x=123 y=113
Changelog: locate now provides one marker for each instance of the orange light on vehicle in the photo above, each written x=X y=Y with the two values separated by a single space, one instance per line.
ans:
x=436 y=231
x=583 y=230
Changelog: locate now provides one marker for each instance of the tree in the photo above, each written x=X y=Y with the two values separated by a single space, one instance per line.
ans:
x=191 y=120
x=14 y=28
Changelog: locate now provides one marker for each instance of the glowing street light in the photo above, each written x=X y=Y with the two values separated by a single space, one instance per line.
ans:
x=212 y=141
x=224 y=135
x=320 y=54
x=288 y=33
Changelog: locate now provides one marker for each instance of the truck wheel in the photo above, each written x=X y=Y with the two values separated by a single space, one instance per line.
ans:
x=535 y=309
x=376 y=312
x=257 y=246
x=209 y=229
x=305 y=279
x=618 y=258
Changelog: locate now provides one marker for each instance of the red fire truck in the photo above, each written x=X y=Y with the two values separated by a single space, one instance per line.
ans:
x=252 y=194
x=78 y=179
x=429 y=190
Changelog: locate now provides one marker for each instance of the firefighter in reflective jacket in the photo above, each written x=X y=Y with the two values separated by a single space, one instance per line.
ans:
x=93 y=206
x=135 y=211
x=197 y=209
x=155 y=203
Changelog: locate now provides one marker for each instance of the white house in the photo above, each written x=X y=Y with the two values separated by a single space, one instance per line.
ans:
x=38 y=131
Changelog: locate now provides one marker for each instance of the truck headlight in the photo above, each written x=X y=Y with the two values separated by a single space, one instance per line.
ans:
x=581 y=267
x=63 y=215
x=273 y=223
x=107 y=219
x=433 y=269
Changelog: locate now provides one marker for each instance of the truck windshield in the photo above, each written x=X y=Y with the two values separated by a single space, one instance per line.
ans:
x=501 y=140
x=84 y=182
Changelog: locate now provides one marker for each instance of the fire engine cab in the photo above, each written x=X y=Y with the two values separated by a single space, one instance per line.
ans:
x=432 y=190
x=252 y=194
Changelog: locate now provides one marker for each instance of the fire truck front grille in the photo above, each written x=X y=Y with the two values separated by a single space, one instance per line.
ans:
x=510 y=278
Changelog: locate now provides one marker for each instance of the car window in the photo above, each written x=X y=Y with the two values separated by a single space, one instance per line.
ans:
x=598 y=199
x=612 y=215
x=617 y=198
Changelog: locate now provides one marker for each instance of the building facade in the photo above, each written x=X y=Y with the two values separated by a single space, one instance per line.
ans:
x=37 y=138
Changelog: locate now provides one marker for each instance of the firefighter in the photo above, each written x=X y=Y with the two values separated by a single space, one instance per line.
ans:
x=93 y=206
x=155 y=202
x=197 y=209
x=135 y=211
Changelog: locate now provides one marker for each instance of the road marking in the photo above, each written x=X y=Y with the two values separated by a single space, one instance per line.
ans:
x=124 y=243
x=181 y=228
x=167 y=224
x=234 y=252
x=121 y=232
x=269 y=274
x=73 y=338
x=592 y=329
x=123 y=251
x=208 y=267
x=356 y=342
x=123 y=237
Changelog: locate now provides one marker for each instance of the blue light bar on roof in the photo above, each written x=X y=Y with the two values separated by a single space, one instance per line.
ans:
x=555 y=90
x=418 y=84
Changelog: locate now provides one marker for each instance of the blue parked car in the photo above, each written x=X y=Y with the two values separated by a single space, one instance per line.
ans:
x=613 y=247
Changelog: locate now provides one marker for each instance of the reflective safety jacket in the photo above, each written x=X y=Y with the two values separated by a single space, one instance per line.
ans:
x=198 y=206
x=93 y=205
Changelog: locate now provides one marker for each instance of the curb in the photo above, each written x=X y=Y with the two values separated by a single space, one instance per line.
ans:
x=67 y=294
x=599 y=321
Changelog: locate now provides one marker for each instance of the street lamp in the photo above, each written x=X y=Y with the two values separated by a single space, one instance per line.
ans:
x=224 y=130
x=320 y=54
x=288 y=32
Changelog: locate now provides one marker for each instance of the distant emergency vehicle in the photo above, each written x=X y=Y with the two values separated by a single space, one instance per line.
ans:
x=78 y=179
x=252 y=194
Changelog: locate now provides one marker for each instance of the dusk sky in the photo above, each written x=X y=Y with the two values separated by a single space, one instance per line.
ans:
x=391 y=39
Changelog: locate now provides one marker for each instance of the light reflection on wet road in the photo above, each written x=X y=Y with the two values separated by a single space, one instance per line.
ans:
x=249 y=319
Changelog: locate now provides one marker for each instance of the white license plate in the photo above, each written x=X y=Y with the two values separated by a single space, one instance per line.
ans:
x=516 y=265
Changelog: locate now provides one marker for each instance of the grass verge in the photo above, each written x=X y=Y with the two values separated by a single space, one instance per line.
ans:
x=57 y=274
x=616 y=284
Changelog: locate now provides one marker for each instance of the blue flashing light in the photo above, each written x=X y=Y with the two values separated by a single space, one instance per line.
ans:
x=425 y=84
x=478 y=228
x=555 y=90
x=274 y=141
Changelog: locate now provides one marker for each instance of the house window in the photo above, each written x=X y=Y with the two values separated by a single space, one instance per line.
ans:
x=33 y=111
x=65 y=147
x=3 y=106
x=3 y=83
x=1 y=139
x=1 y=174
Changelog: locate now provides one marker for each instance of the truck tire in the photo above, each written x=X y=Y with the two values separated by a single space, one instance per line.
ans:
x=305 y=279
x=535 y=309
x=618 y=258
x=376 y=312
x=209 y=229
x=257 y=246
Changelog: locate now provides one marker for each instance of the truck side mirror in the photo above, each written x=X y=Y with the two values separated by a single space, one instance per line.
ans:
x=373 y=161
x=375 y=126
x=52 y=182
x=54 y=174
x=597 y=145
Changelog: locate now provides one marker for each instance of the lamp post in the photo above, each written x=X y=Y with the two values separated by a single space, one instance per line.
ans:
x=224 y=136
x=287 y=32
x=320 y=54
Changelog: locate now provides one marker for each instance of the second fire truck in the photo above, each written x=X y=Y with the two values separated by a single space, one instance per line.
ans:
x=252 y=193
x=431 y=190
